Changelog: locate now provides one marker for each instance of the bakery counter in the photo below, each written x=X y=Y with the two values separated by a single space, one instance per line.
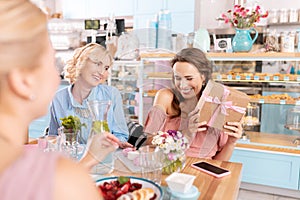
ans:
x=272 y=142
x=270 y=160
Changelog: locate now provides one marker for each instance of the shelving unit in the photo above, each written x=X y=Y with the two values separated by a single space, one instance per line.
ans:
x=141 y=78
x=268 y=56
x=126 y=76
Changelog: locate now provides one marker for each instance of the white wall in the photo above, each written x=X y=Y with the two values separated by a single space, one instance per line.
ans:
x=143 y=11
x=79 y=9
x=186 y=16
x=182 y=13
x=209 y=10
x=278 y=4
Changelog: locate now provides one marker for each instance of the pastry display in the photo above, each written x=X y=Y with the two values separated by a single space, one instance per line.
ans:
x=250 y=121
x=151 y=92
x=275 y=99
x=255 y=76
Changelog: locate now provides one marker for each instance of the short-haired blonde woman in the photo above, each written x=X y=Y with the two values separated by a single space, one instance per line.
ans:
x=87 y=71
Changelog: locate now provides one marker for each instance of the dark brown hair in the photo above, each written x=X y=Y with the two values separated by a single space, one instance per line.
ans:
x=197 y=58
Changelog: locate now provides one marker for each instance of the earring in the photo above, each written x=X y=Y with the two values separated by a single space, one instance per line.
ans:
x=32 y=97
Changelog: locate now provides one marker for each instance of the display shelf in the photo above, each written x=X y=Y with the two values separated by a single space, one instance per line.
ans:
x=126 y=75
x=262 y=81
x=297 y=24
x=264 y=56
x=140 y=77
x=134 y=74
x=256 y=81
x=257 y=77
x=270 y=142
x=157 y=55
x=147 y=94
x=275 y=146
x=280 y=102
x=159 y=75
x=126 y=78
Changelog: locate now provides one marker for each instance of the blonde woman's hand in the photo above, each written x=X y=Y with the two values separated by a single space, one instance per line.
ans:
x=100 y=145
x=235 y=131
x=124 y=145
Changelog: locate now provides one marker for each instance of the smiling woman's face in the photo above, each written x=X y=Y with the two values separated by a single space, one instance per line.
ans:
x=94 y=67
x=94 y=73
x=188 y=80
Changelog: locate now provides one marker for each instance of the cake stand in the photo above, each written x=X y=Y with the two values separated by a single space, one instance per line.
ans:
x=250 y=119
x=292 y=122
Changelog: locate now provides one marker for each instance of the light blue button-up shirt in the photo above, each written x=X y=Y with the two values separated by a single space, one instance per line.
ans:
x=64 y=105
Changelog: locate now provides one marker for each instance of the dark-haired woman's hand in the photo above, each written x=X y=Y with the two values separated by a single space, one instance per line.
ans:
x=234 y=132
x=194 y=124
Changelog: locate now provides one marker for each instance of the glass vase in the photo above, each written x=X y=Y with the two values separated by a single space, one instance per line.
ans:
x=70 y=142
x=174 y=162
x=242 y=40
x=99 y=111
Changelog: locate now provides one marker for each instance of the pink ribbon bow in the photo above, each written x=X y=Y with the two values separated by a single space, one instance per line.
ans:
x=223 y=105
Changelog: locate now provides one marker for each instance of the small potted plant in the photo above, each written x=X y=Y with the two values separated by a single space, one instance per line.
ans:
x=71 y=128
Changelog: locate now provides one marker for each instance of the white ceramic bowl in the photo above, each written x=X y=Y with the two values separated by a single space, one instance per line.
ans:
x=180 y=182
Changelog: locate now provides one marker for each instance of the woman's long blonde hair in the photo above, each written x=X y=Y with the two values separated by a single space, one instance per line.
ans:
x=92 y=51
x=21 y=25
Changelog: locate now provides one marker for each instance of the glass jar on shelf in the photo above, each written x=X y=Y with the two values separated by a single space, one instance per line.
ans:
x=251 y=118
x=273 y=16
x=284 y=15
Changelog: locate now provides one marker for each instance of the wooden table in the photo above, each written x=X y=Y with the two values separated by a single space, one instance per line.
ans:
x=211 y=188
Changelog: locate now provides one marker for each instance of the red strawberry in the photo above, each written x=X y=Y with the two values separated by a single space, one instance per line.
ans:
x=125 y=188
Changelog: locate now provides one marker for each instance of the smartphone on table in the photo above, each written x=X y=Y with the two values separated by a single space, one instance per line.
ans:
x=211 y=169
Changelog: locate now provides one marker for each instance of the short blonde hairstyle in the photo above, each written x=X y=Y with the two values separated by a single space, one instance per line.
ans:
x=92 y=51
x=23 y=31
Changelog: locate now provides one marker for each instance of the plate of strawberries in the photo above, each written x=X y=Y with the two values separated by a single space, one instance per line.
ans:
x=128 y=187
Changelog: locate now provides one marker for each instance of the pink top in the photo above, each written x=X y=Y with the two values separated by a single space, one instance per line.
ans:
x=205 y=144
x=31 y=177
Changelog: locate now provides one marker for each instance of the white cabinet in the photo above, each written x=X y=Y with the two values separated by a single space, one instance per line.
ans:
x=269 y=168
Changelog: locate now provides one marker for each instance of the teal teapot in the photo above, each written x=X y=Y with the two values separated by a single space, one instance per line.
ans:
x=242 y=41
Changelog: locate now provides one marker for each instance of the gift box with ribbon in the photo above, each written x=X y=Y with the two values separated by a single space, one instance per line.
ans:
x=219 y=104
